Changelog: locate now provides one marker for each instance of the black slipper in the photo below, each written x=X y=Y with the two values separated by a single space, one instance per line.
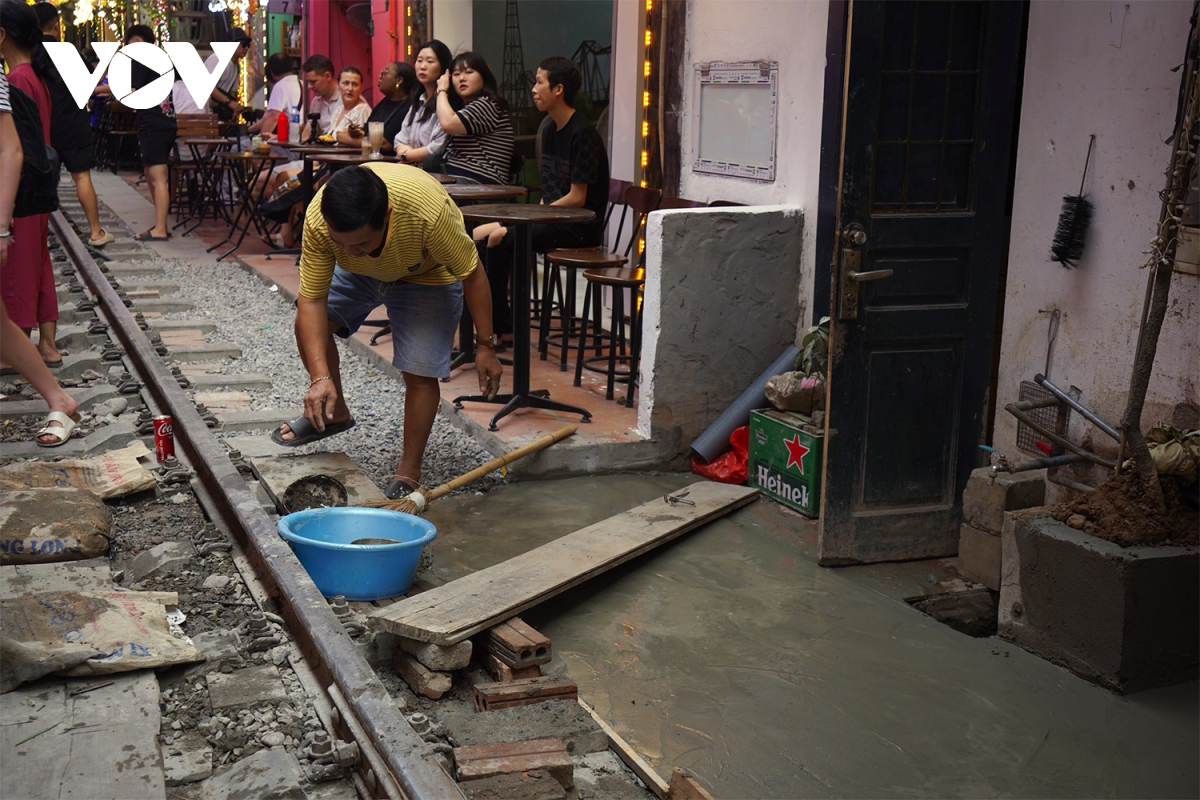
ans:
x=6 y=371
x=398 y=490
x=306 y=433
x=54 y=364
x=148 y=236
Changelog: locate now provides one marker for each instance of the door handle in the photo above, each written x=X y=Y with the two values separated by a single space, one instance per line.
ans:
x=873 y=275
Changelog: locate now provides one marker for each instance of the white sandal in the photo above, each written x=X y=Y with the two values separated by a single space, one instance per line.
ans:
x=62 y=434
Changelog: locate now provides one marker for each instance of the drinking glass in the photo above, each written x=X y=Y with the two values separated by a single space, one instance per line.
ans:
x=375 y=136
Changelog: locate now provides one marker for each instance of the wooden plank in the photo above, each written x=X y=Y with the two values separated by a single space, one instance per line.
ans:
x=685 y=787
x=462 y=608
x=626 y=753
x=506 y=694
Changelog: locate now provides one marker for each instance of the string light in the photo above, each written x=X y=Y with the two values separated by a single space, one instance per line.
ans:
x=645 y=128
x=647 y=37
x=646 y=68
x=646 y=99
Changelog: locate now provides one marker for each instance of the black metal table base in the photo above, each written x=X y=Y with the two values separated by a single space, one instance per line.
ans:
x=538 y=398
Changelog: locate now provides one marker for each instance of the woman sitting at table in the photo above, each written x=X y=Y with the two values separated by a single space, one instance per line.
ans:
x=397 y=83
x=475 y=117
x=421 y=136
x=355 y=111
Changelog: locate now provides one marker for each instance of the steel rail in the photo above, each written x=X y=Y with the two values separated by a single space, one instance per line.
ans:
x=331 y=651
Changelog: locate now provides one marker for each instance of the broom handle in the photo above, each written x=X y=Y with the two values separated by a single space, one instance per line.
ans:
x=1087 y=161
x=497 y=463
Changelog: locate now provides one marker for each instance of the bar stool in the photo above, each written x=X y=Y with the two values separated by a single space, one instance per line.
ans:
x=619 y=279
x=640 y=202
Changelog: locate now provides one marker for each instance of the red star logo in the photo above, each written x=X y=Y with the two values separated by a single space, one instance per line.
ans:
x=796 y=453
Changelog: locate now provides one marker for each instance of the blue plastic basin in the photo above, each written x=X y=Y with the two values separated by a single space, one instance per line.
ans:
x=320 y=538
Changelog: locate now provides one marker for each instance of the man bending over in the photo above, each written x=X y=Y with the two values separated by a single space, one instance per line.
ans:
x=387 y=234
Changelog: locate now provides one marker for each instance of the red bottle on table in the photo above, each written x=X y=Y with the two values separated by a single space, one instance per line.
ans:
x=281 y=127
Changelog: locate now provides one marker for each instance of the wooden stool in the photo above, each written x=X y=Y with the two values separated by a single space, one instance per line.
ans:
x=620 y=279
x=574 y=259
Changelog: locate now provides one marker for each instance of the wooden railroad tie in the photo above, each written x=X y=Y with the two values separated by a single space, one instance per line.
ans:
x=491 y=696
x=484 y=761
x=685 y=787
x=518 y=645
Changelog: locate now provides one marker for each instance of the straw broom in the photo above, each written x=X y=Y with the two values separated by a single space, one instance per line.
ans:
x=416 y=502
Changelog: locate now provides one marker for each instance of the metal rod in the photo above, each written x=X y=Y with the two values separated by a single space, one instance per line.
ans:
x=1055 y=438
x=316 y=630
x=1088 y=414
x=1030 y=405
x=1070 y=483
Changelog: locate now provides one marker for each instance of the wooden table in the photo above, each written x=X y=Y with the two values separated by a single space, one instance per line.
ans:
x=247 y=168
x=490 y=193
x=521 y=217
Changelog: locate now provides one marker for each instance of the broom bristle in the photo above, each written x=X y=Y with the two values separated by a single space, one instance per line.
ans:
x=404 y=505
x=1071 y=234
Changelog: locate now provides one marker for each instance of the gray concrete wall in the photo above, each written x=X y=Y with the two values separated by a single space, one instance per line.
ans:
x=721 y=304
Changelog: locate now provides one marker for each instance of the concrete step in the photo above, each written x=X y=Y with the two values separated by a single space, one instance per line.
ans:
x=164 y=325
x=121 y=271
x=87 y=398
x=250 y=380
x=265 y=420
x=205 y=352
x=162 y=306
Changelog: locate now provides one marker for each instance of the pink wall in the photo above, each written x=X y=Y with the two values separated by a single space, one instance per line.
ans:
x=329 y=32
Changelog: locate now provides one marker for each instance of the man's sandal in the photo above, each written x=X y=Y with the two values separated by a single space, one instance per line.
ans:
x=399 y=489
x=61 y=435
x=304 y=432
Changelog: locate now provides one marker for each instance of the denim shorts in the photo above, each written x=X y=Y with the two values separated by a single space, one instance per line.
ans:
x=424 y=319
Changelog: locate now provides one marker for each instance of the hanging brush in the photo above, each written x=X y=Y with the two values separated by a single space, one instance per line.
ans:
x=416 y=502
x=1071 y=234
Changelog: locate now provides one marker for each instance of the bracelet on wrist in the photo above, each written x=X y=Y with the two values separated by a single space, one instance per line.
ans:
x=5 y=234
x=315 y=381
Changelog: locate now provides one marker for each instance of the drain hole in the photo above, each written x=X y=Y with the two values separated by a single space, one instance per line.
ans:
x=541 y=652
x=972 y=612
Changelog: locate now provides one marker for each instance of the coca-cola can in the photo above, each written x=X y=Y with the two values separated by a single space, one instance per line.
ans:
x=164 y=438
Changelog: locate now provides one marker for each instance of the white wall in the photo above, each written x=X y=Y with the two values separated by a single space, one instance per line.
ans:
x=625 y=89
x=452 y=23
x=791 y=32
x=1102 y=68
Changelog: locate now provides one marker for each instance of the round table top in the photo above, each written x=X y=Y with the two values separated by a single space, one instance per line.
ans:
x=472 y=191
x=240 y=156
x=524 y=213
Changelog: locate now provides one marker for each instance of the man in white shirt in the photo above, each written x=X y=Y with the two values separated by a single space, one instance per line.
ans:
x=285 y=94
x=224 y=101
x=319 y=78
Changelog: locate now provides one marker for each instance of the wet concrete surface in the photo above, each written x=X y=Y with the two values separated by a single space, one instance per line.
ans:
x=732 y=654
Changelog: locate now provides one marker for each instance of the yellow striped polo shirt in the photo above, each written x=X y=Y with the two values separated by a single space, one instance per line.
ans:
x=427 y=242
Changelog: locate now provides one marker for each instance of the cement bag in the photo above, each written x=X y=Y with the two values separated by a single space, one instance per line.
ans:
x=39 y=526
x=121 y=632
x=113 y=474
x=1175 y=451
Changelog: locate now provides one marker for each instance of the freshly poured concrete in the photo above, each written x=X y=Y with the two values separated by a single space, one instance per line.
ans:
x=732 y=654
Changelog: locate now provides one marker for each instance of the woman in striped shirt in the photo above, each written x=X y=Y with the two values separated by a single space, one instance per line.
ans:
x=475 y=117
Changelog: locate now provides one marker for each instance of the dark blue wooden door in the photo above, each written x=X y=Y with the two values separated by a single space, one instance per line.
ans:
x=931 y=99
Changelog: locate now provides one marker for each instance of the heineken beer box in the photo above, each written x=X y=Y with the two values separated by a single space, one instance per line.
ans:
x=785 y=459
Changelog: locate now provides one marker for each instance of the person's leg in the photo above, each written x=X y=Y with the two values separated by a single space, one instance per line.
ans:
x=47 y=297
x=156 y=176
x=351 y=299
x=87 y=199
x=498 y=260
x=424 y=320
x=19 y=352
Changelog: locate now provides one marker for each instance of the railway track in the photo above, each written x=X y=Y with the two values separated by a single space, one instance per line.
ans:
x=386 y=755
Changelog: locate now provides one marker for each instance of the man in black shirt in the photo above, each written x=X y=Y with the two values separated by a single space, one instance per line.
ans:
x=574 y=170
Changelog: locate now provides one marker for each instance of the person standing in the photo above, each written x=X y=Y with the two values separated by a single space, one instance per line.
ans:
x=71 y=133
x=15 y=347
x=385 y=234
x=421 y=137
x=224 y=100
x=156 y=138
x=27 y=282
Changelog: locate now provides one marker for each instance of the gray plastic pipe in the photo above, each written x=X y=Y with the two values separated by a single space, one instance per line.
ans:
x=715 y=440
